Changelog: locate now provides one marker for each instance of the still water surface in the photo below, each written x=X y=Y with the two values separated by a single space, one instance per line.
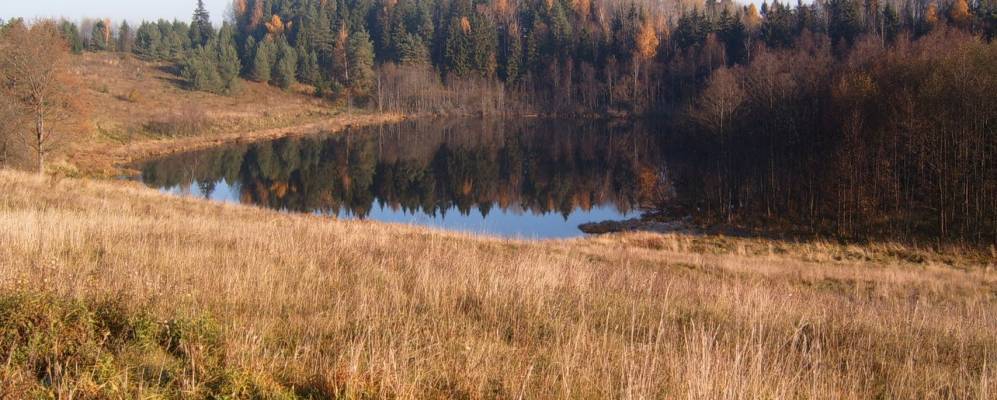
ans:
x=524 y=178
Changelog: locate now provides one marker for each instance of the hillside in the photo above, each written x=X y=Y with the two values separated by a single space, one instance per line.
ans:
x=140 y=109
x=299 y=305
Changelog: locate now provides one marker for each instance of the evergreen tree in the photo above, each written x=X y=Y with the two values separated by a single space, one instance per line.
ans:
x=248 y=56
x=200 y=69
x=125 y=38
x=99 y=36
x=308 y=67
x=147 y=40
x=457 y=55
x=411 y=50
x=844 y=20
x=263 y=60
x=228 y=59
x=511 y=54
x=361 y=64
x=201 y=31
x=891 y=23
x=286 y=67
x=72 y=35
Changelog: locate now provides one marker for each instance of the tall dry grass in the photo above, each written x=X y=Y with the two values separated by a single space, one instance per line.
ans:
x=368 y=310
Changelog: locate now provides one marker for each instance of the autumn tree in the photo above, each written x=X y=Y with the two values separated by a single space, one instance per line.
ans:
x=959 y=13
x=646 y=47
x=720 y=102
x=35 y=78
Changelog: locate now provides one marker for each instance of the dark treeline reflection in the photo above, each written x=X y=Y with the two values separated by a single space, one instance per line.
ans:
x=433 y=166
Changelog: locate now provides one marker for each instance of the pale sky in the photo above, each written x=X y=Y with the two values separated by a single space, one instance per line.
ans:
x=116 y=10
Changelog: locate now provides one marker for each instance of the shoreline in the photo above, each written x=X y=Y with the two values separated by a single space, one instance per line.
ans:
x=104 y=161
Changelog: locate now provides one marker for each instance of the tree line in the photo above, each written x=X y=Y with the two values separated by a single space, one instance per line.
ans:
x=553 y=56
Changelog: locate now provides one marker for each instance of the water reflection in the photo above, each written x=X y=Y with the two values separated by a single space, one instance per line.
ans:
x=532 y=178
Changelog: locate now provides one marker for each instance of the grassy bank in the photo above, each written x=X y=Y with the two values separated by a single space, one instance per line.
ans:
x=310 y=306
x=139 y=109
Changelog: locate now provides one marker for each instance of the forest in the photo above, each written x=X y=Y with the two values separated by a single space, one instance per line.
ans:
x=847 y=117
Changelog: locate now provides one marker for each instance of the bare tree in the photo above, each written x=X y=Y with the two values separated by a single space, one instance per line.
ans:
x=34 y=77
x=720 y=102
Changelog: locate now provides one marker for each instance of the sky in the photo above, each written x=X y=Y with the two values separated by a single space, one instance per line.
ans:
x=116 y=10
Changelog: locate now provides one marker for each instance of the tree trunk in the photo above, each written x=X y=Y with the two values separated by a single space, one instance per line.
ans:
x=39 y=143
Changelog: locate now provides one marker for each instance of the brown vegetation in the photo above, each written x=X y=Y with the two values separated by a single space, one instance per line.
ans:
x=139 y=111
x=360 y=310
x=42 y=101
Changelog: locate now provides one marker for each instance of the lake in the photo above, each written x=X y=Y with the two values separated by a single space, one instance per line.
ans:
x=527 y=178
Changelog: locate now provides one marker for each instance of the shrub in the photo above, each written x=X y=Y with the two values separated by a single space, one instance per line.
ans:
x=109 y=349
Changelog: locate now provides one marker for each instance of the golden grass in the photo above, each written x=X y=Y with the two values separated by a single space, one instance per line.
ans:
x=364 y=309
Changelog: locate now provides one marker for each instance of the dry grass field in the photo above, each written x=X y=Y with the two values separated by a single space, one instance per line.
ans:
x=140 y=109
x=111 y=290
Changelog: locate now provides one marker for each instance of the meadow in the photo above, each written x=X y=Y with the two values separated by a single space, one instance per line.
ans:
x=113 y=290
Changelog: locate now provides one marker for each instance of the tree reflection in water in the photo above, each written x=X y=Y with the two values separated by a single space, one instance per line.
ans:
x=527 y=170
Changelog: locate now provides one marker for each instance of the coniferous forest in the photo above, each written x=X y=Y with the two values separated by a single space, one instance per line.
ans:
x=847 y=117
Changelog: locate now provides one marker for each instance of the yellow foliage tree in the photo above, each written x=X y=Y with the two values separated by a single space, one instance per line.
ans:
x=931 y=15
x=752 y=20
x=959 y=13
x=646 y=42
x=277 y=27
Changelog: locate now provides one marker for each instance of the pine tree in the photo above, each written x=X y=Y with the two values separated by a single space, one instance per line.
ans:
x=99 y=36
x=263 y=60
x=844 y=20
x=286 y=67
x=228 y=59
x=512 y=54
x=457 y=53
x=147 y=40
x=309 y=70
x=411 y=50
x=201 y=31
x=200 y=69
x=361 y=64
x=248 y=56
x=72 y=35
x=125 y=38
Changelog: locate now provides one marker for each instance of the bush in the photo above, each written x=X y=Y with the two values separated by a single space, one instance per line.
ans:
x=108 y=349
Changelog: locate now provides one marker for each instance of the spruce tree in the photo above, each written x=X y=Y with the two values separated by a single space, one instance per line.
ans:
x=411 y=50
x=263 y=60
x=98 y=37
x=229 y=64
x=201 y=31
x=361 y=64
x=147 y=40
x=200 y=69
x=457 y=53
x=72 y=35
x=287 y=66
x=125 y=38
